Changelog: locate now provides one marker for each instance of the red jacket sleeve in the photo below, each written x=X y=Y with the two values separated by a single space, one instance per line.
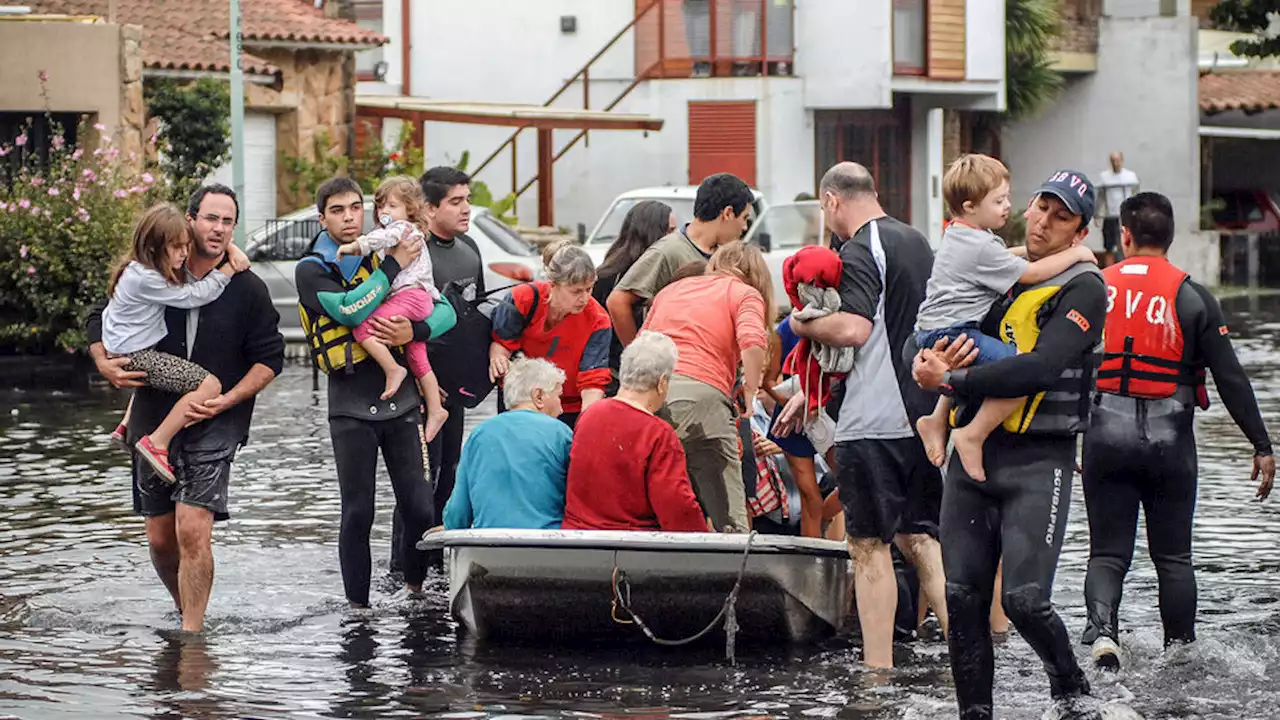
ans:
x=509 y=317
x=593 y=368
x=670 y=492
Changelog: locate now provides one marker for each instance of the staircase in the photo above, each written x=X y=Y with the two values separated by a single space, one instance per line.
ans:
x=734 y=38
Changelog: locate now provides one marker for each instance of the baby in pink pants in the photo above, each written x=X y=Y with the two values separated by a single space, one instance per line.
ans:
x=398 y=204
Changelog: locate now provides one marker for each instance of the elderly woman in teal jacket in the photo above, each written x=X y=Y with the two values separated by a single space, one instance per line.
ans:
x=513 y=468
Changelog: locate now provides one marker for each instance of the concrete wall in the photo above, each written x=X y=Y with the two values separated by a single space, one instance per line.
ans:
x=844 y=52
x=843 y=60
x=1143 y=101
x=102 y=76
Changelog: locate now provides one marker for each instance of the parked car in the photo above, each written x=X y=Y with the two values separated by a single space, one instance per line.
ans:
x=782 y=230
x=680 y=199
x=1247 y=211
x=508 y=258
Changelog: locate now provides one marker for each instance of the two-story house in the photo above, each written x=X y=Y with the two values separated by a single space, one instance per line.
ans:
x=775 y=91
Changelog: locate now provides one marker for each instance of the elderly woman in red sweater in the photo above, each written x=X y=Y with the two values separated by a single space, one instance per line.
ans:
x=627 y=467
x=559 y=321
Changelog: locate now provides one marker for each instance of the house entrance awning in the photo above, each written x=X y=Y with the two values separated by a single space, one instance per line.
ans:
x=1249 y=91
x=544 y=119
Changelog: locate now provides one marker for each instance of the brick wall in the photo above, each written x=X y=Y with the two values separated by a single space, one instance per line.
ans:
x=1079 y=26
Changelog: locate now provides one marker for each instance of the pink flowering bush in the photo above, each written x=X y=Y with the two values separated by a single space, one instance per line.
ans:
x=63 y=224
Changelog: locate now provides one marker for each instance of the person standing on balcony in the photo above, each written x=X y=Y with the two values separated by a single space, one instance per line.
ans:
x=1117 y=184
x=890 y=491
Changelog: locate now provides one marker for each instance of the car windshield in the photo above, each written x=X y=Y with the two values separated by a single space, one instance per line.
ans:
x=503 y=235
x=612 y=224
x=789 y=226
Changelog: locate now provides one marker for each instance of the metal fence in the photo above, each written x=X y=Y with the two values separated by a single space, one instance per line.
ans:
x=1250 y=259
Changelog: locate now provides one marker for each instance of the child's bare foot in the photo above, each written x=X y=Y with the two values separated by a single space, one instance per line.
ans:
x=435 y=420
x=933 y=433
x=395 y=377
x=969 y=449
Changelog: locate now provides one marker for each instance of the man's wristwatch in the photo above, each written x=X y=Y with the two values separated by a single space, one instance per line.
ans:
x=945 y=388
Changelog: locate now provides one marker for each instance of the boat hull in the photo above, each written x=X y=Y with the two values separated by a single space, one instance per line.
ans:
x=557 y=585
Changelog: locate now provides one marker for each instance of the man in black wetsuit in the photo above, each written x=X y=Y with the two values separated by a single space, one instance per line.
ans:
x=1021 y=508
x=458 y=270
x=1163 y=330
x=335 y=295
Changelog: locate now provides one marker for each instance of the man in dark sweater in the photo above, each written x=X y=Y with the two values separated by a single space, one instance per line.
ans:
x=235 y=337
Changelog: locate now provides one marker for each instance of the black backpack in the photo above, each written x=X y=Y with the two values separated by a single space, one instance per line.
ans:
x=460 y=357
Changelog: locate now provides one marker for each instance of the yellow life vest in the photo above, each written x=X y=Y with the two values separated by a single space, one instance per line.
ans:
x=333 y=347
x=1064 y=408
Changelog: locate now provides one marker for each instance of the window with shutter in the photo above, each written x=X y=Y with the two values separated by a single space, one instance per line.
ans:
x=722 y=138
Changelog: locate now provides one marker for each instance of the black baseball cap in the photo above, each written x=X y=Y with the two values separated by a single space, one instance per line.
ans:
x=1074 y=190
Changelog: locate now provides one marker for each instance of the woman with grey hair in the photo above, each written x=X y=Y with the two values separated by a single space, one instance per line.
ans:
x=627 y=467
x=557 y=319
x=512 y=471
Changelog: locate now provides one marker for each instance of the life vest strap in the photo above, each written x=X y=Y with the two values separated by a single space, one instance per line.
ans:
x=1182 y=374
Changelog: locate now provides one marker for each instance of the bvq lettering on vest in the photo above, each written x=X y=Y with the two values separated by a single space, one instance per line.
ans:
x=1157 y=309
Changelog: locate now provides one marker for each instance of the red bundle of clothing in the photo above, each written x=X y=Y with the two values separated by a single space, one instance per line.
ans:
x=820 y=269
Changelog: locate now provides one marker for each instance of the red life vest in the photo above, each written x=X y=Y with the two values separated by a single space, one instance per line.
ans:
x=1142 y=337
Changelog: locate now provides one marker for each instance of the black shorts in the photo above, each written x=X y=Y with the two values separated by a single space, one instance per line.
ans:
x=204 y=479
x=887 y=488
x=1110 y=233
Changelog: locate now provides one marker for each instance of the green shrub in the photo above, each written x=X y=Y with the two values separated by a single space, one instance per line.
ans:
x=63 y=224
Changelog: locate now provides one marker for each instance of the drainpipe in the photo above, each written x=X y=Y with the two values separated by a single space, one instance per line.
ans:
x=406 y=47
x=347 y=11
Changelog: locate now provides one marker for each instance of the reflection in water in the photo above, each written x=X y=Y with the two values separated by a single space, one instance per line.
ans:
x=86 y=630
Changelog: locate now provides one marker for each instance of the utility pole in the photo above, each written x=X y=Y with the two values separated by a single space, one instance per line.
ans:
x=237 y=116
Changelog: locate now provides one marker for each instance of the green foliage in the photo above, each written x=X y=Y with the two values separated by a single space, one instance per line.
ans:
x=1030 y=80
x=62 y=227
x=194 y=136
x=1249 y=16
x=376 y=162
x=481 y=195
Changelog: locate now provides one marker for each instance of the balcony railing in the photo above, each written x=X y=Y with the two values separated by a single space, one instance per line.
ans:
x=716 y=38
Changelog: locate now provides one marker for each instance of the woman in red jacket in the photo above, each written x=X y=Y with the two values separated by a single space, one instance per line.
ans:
x=560 y=321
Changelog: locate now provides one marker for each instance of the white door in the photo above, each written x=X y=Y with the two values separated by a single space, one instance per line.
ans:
x=259 y=202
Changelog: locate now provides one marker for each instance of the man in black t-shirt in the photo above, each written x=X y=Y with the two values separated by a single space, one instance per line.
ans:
x=889 y=489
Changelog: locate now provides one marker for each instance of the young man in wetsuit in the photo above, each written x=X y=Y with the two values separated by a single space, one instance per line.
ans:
x=360 y=423
x=1021 y=508
x=456 y=266
x=1163 y=331
x=889 y=489
x=235 y=337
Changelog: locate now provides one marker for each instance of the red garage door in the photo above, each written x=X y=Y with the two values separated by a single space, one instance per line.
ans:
x=722 y=138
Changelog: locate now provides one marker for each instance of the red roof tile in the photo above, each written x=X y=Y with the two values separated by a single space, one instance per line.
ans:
x=1248 y=90
x=192 y=34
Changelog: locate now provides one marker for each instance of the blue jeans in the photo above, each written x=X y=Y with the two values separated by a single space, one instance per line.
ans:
x=989 y=349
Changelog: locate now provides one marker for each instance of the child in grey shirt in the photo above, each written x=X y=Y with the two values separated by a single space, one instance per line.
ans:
x=972 y=270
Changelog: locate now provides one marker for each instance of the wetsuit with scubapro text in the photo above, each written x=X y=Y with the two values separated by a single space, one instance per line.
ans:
x=1021 y=508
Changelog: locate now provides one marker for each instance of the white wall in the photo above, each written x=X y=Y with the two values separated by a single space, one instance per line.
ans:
x=844 y=52
x=1143 y=101
x=984 y=40
x=590 y=176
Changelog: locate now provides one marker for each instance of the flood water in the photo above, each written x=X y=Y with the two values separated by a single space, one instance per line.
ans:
x=86 y=630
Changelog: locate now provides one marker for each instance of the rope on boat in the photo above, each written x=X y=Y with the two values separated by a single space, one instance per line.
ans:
x=728 y=611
